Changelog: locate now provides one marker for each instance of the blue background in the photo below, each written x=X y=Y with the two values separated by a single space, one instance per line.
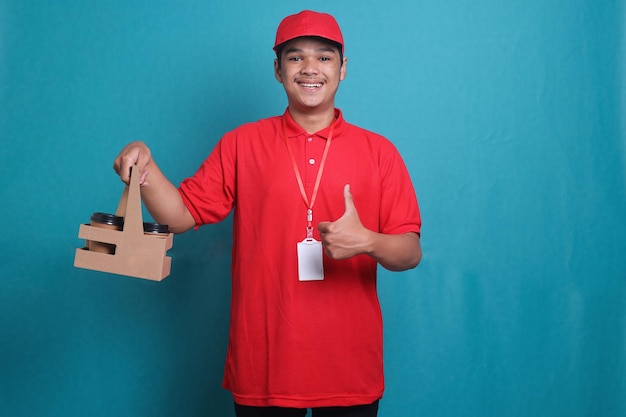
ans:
x=510 y=116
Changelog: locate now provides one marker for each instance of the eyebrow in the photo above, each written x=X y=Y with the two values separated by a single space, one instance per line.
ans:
x=320 y=49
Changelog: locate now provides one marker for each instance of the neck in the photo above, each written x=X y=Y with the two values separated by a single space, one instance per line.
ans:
x=312 y=122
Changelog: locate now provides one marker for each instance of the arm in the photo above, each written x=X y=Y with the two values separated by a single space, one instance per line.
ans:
x=159 y=195
x=347 y=237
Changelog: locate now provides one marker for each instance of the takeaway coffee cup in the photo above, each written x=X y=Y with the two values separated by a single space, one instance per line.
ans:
x=106 y=221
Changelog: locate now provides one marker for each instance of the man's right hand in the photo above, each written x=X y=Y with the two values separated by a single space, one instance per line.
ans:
x=135 y=153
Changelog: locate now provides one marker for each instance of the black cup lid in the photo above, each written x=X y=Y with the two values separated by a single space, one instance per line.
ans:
x=106 y=218
x=155 y=228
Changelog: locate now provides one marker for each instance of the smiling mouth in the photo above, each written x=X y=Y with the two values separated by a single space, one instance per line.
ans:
x=311 y=85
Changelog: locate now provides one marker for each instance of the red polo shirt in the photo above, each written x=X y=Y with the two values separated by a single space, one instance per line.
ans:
x=292 y=343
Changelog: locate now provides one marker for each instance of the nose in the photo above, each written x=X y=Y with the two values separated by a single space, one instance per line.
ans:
x=310 y=66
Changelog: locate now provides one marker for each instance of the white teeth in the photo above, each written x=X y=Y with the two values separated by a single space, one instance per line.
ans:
x=311 y=85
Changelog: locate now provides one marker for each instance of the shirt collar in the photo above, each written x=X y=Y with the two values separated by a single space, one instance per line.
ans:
x=293 y=129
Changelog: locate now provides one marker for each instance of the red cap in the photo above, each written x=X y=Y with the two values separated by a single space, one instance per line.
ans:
x=308 y=23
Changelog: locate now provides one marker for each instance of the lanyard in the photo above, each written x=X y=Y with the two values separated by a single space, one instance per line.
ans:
x=309 y=214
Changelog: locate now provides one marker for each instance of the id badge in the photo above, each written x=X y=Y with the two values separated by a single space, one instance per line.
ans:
x=310 y=266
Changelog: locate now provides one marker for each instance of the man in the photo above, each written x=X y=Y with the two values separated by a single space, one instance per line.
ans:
x=306 y=325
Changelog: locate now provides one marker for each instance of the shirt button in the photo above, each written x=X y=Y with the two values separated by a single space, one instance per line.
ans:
x=310 y=139
x=311 y=161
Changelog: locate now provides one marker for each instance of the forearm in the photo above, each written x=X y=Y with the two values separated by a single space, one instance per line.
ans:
x=164 y=202
x=395 y=252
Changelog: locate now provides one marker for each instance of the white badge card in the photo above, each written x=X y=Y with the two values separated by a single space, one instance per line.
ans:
x=310 y=265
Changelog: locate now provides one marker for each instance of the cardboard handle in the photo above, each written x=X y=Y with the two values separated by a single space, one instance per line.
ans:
x=129 y=206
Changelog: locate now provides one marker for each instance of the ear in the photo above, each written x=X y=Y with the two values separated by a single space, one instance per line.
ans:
x=344 y=70
x=277 y=71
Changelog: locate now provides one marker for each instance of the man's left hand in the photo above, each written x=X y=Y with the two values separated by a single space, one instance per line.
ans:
x=345 y=237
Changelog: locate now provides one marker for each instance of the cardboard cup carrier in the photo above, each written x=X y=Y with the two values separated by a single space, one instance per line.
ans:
x=122 y=243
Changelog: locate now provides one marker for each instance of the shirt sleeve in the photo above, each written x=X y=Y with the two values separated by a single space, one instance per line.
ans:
x=210 y=193
x=399 y=207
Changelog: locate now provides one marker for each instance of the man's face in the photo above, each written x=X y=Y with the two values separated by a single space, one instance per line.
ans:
x=310 y=71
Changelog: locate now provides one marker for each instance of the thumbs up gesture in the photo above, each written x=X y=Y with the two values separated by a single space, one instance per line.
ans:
x=345 y=237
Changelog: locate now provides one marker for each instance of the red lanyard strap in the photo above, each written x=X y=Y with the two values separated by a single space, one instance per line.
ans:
x=319 y=173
